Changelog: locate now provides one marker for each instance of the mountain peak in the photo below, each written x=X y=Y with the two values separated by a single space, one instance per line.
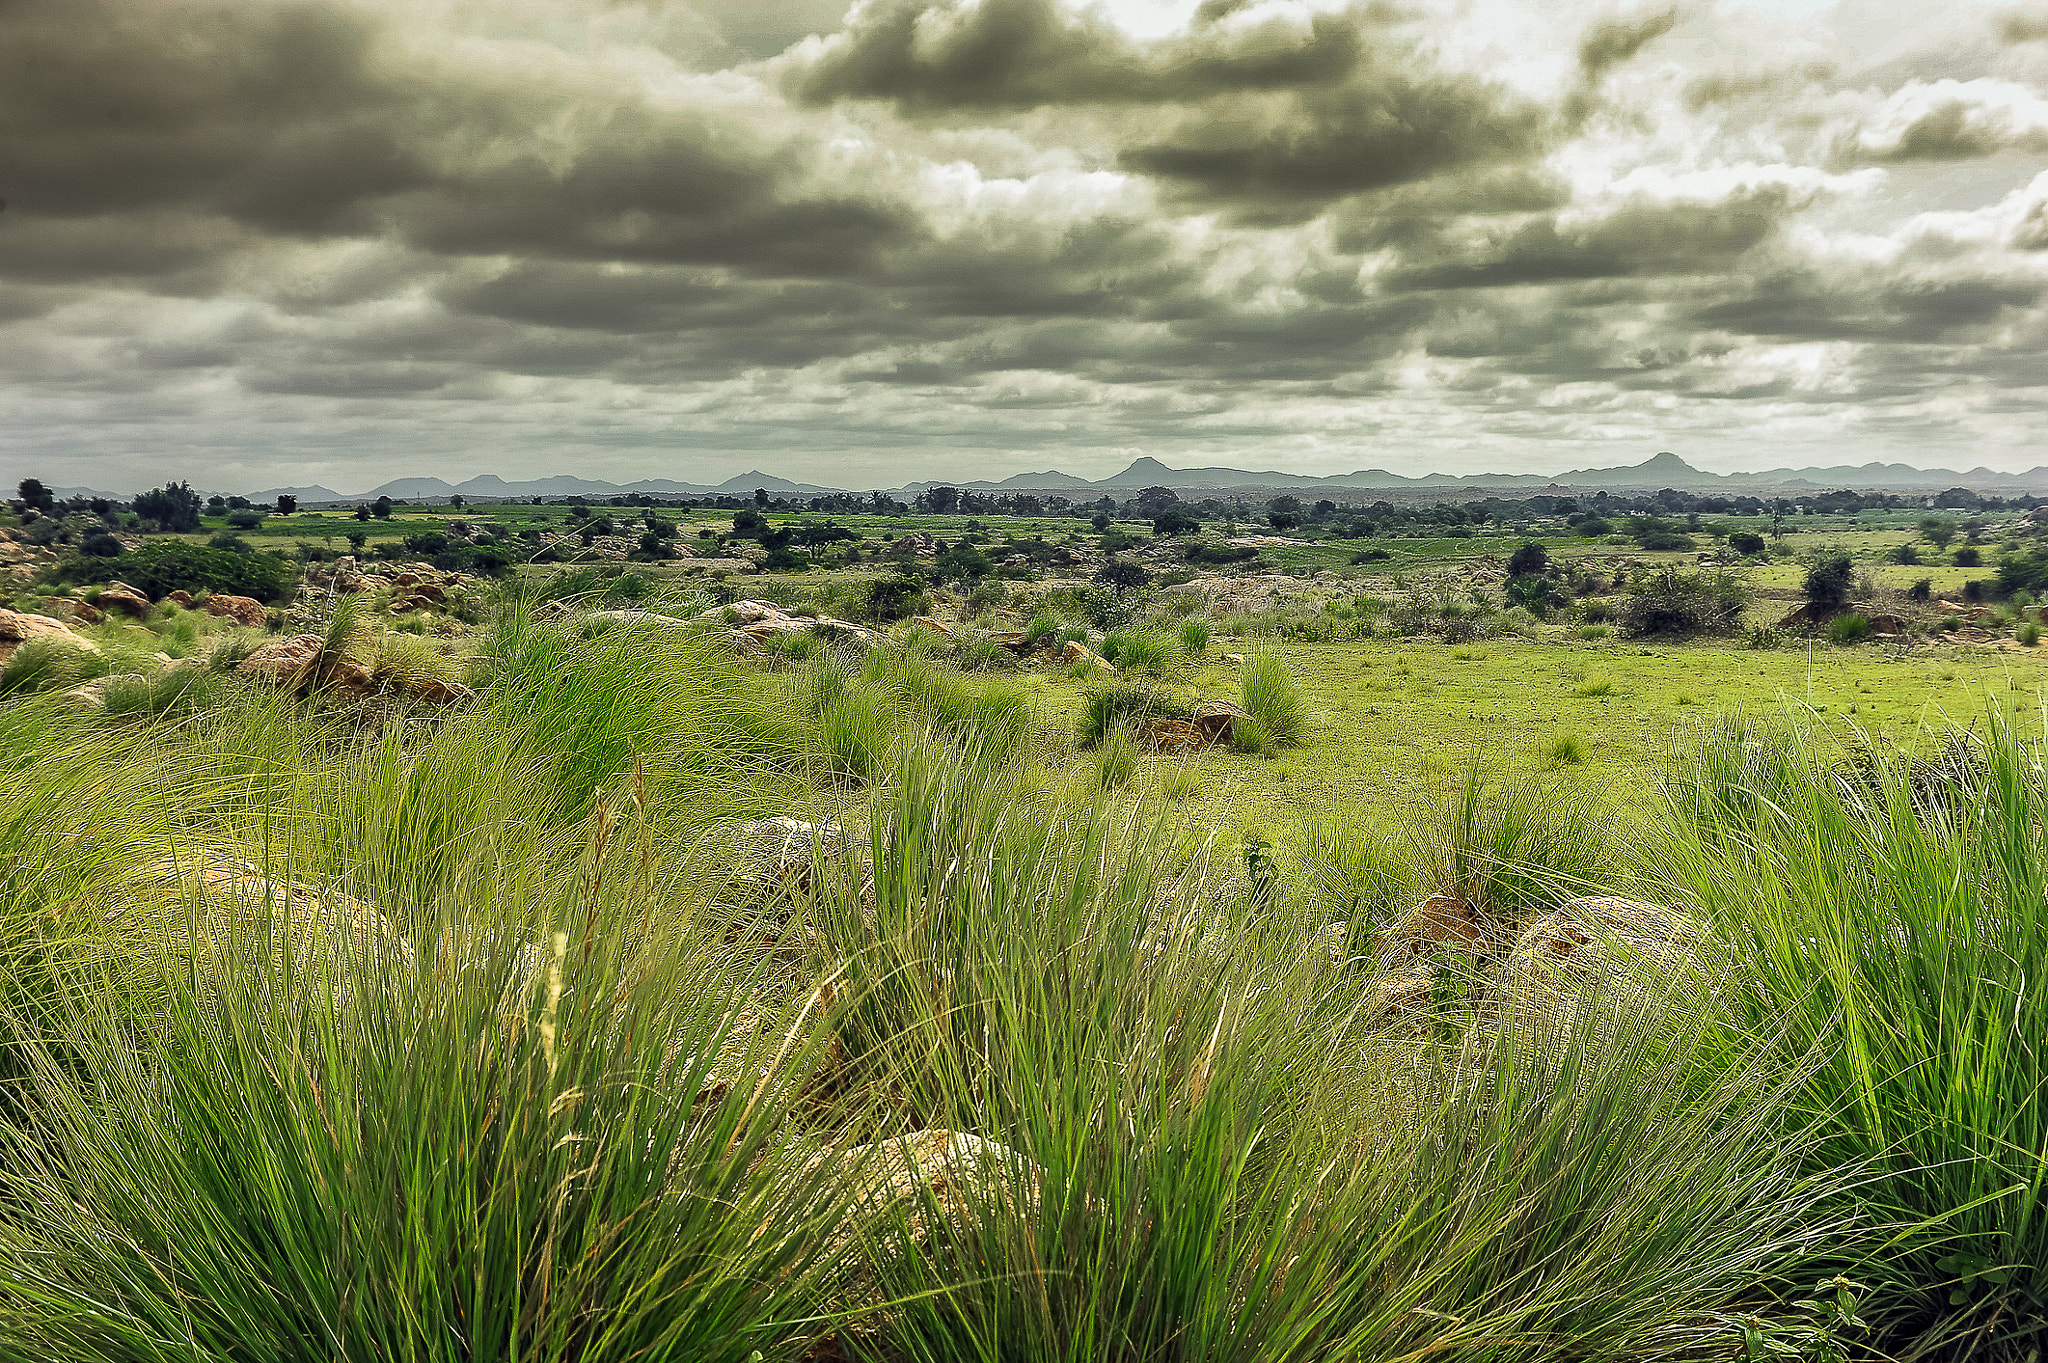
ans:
x=1665 y=459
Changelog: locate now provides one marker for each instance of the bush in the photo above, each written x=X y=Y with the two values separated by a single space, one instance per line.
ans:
x=1117 y=704
x=2029 y=634
x=1217 y=553
x=1194 y=637
x=1848 y=629
x=1664 y=541
x=1272 y=698
x=1905 y=554
x=1594 y=528
x=896 y=598
x=164 y=566
x=1828 y=579
x=1679 y=604
x=1370 y=556
x=1921 y=590
x=1969 y=557
x=1042 y=624
x=1745 y=543
x=1117 y=759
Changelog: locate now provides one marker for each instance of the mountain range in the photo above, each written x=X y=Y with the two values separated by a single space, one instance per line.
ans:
x=1660 y=471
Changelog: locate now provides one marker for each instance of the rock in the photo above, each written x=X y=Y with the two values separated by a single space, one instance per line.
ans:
x=1887 y=624
x=938 y=627
x=180 y=598
x=293 y=661
x=1170 y=736
x=1104 y=665
x=1442 y=920
x=93 y=695
x=243 y=610
x=637 y=617
x=1594 y=945
x=1075 y=652
x=20 y=627
x=758 y=857
x=435 y=691
x=125 y=600
x=1403 y=994
x=1012 y=639
x=1217 y=718
x=960 y=1177
x=1237 y=658
x=84 y=613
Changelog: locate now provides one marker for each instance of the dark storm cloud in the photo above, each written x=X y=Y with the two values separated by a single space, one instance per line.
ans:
x=148 y=139
x=1634 y=241
x=269 y=115
x=1803 y=306
x=928 y=58
x=1946 y=120
x=1279 y=164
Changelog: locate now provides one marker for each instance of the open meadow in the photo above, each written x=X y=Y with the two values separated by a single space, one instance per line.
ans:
x=612 y=962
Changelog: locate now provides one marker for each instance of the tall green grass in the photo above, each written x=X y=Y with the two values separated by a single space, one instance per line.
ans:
x=1273 y=697
x=1887 y=913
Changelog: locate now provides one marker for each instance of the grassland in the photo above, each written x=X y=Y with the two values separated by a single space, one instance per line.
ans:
x=367 y=1027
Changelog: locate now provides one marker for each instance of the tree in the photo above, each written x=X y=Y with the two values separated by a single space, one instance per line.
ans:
x=1827 y=582
x=1123 y=574
x=457 y=501
x=1176 y=521
x=174 y=507
x=1283 y=520
x=381 y=508
x=356 y=540
x=286 y=504
x=1531 y=560
x=35 y=496
x=1743 y=542
x=1969 y=557
x=1937 y=531
x=362 y=513
x=760 y=496
x=1100 y=520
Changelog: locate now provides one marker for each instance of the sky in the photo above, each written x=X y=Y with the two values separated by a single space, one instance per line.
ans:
x=255 y=244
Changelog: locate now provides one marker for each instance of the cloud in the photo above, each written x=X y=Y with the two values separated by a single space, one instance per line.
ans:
x=1608 y=45
x=928 y=57
x=1946 y=120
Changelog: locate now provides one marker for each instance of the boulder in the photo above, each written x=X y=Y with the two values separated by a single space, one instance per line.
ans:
x=124 y=600
x=295 y=661
x=180 y=598
x=1887 y=624
x=938 y=627
x=1075 y=652
x=1217 y=718
x=243 y=610
x=1597 y=945
x=1404 y=994
x=20 y=627
x=1012 y=639
x=1442 y=920
x=933 y=1181
x=638 y=617
x=756 y=858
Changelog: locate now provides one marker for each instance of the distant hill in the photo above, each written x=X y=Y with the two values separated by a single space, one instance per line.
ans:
x=1662 y=470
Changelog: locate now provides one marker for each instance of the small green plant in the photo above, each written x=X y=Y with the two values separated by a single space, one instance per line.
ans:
x=1591 y=632
x=1848 y=630
x=1115 y=704
x=2029 y=634
x=1141 y=650
x=1261 y=871
x=1765 y=637
x=1593 y=687
x=1273 y=698
x=1565 y=750
x=1252 y=738
x=1116 y=761
x=1042 y=625
x=1194 y=637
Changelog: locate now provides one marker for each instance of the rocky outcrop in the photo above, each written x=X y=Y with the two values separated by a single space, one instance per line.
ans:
x=1170 y=736
x=756 y=858
x=180 y=598
x=243 y=610
x=938 y=1186
x=21 y=627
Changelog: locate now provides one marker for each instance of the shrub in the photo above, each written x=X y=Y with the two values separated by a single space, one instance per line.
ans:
x=1117 y=704
x=1590 y=632
x=1272 y=697
x=1252 y=738
x=1765 y=636
x=1921 y=590
x=1194 y=637
x=1370 y=556
x=2029 y=634
x=1969 y=556
x=896 y=598
x=1828 y=579
x=1848 y=629
x=1514 y=848
x=1666 y=541
x=1905 y=554
x=1671 y=602
x=1593 y=528
x=1745 y=543
x=1565 y=750
x=163 y=566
